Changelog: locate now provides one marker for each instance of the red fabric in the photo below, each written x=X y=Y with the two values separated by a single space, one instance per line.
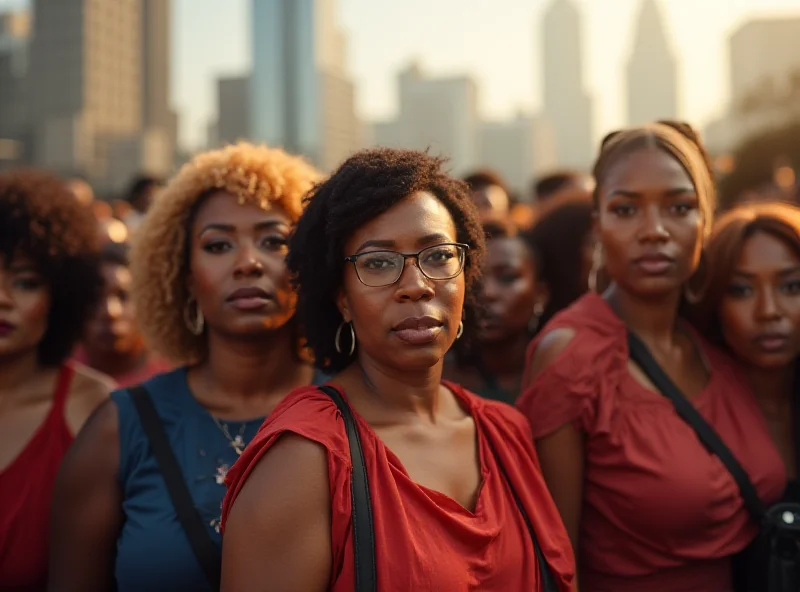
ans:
x=26 y=490
x=660 y=512
x=425 y=540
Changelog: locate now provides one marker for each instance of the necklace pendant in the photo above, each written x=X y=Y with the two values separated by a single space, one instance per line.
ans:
x=238 y=444
x=222 y=472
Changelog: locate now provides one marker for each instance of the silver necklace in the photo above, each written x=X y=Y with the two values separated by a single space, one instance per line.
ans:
x=237 y=443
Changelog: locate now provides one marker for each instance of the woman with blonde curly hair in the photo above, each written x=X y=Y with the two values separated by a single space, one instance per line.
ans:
x=139 y=495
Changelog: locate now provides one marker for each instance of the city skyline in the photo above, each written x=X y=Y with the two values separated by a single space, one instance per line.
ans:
x=501 y=53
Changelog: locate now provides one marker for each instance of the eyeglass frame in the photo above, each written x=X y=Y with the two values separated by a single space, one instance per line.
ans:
x=354 y=259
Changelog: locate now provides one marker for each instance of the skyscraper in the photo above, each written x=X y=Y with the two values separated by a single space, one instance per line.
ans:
x=157 y=113
x=567 y=105
x=436 y=113
x=652 y=76
x=301 y=97
x=84 y=82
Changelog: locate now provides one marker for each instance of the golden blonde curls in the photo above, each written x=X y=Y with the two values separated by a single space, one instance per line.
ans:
x=255 y=174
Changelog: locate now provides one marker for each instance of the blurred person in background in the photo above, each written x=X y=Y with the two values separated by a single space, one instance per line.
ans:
x=490 y=195
x=141 y=194
x=512 y=300
x=210 y=281
x=752 y=307
x=112 y=343
x=80 y=190
x=552 y=184
x=386 y=257
x=563 y=238
x=49 y=284
x=645 y=504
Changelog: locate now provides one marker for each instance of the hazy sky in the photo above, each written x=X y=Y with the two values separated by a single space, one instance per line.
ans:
x=495 y=41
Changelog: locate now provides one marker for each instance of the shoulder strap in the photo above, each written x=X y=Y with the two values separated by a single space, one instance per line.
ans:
x=363 y=531
x=547 y=578
x=203 y=547
x=705 y=433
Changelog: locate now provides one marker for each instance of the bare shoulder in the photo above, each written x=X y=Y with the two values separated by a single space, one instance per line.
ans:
x=550 y=347
x=89 y=390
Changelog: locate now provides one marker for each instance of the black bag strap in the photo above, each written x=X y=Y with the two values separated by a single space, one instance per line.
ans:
x=204 y=548
x=546 y=576
x=363 y=530
x=705 y=433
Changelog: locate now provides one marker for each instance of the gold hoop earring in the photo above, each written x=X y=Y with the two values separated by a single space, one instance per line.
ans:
x=196 y=324
x=338 y=339
x=533 y=323
x=597 y=264
x=695 y=296
x=460 y=330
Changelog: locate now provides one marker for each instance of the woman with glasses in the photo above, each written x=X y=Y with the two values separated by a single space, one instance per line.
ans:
x=386 y=258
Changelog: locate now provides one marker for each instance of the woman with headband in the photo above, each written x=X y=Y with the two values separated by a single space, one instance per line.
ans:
x=646 y=505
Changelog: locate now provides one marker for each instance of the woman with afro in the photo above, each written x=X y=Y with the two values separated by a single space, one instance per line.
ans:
x=49 y=283
x=213 y=295
x=386 y=257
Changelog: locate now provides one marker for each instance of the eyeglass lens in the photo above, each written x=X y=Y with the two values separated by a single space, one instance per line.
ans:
x=382 y=268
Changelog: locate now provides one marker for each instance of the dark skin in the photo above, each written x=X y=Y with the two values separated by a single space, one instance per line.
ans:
x=277 y=536
x=251 y=365
x=27 y=387
x=511 y=295
x=760 y=316
x=113 y=344
x=651 y=230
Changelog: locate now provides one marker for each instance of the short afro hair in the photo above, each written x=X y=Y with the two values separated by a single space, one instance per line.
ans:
x=365 y=186
x=41 y=220
x=159 y=252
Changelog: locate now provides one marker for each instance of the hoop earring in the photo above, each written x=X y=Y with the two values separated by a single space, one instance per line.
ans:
x=597 y=263
x=460 y=330
x=695 y=296
x=538 y=311
x=196 y=324
x=338 y=339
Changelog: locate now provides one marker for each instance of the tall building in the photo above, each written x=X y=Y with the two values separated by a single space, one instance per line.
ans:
x=84 y=82
x=518 y=149
x=567 y=104
x=764 y=62
x=301 y=96
x=14 y=40
x=440 y=114
x=157 y=113
x=764 y=55
x=233 y=103
x=652 y=75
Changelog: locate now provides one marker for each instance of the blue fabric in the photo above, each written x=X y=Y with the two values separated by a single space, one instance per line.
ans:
x=153 y=552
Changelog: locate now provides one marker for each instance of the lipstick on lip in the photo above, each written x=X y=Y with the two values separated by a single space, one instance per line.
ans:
x=772 y=342
x=249 y=298
x=654 y=263
x=6 y=328
x=418 y=330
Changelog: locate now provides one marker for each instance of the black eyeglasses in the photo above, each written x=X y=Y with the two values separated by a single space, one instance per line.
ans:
x=383 y=268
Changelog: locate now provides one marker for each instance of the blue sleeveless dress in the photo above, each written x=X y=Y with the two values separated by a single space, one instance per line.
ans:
x=153 y=552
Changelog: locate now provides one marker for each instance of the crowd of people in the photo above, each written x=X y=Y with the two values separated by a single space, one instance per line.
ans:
x=258 y=377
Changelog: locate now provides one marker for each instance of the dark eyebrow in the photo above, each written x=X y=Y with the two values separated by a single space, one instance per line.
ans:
x=24 y=268
x=782 y=273
x=428 y=239
x=231 y=228
x=634 y=194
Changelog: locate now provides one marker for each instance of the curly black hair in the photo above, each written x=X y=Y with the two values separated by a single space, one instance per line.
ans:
x=366 y=185
x=41 y=220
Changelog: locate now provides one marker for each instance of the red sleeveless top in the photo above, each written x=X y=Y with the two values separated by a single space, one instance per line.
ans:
x=660 y=512
x=424 y=539
x=26 y=491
